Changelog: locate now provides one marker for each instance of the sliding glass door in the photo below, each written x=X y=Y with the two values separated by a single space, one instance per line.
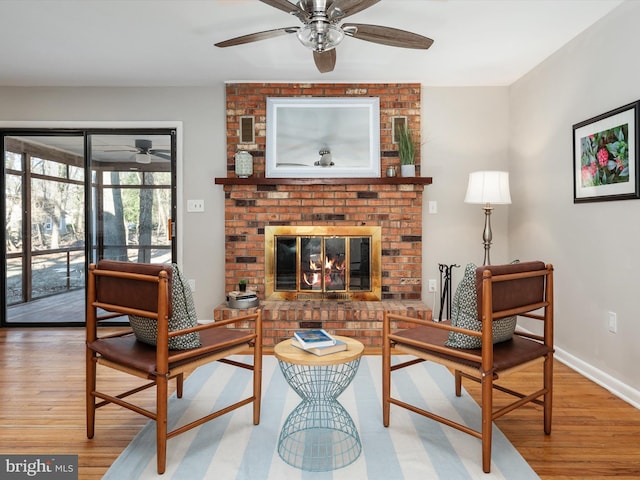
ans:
x=72 y=198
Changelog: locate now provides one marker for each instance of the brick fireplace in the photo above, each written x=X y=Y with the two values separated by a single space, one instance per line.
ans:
x=394 y=205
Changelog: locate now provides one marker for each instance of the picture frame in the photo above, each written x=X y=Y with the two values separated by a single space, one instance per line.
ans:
x=322 y=137
x=605 y=156
x=397 y=124
x=247 y=129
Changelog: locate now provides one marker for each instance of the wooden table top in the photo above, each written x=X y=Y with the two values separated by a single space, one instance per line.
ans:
x=288 y=353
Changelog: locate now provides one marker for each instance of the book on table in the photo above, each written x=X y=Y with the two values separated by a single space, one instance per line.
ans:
x=339 y=346
x=314 y=338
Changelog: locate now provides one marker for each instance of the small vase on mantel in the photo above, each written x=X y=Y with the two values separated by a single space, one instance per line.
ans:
x=408 y=170
x=244 y=164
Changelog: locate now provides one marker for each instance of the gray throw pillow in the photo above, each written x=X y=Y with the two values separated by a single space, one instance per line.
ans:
x=183 y=315
x=464 y=314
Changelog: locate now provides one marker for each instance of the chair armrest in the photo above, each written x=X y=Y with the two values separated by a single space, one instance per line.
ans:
x=253 y=317
x=120 y=333
x=441 y=349
x=429 y=323
x=251 y=336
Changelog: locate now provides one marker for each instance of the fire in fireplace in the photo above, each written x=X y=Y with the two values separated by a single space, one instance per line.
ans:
x=322 y=262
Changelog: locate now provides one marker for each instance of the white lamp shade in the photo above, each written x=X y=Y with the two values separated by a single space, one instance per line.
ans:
x=488 y=187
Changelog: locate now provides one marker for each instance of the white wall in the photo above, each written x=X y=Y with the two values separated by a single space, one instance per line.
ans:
x=464 y=130
x=594 y=246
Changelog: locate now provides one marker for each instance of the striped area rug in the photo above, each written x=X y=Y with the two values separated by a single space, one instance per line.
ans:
x=231 y=447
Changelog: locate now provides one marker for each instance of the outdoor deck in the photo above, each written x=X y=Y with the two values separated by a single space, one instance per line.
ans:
x=63 y=308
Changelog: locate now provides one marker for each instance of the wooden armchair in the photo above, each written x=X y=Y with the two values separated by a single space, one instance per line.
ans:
x=522 y=289
x=143 y=290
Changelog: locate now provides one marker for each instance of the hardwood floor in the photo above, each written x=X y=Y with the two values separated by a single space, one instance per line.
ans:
x=595 y=435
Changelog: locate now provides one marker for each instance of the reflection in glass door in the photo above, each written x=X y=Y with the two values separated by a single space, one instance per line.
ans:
x=44 y=210
x=131 y=178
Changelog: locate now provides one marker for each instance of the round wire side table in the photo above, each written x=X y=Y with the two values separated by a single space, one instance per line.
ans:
x=319 y=434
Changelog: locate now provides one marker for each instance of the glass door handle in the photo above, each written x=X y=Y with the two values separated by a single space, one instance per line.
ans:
x=171 y=229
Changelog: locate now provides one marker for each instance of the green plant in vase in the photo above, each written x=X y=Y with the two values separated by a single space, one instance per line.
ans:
x=242 y=285
x=406 y=151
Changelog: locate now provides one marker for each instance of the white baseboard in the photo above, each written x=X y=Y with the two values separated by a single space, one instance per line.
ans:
x=615 y=386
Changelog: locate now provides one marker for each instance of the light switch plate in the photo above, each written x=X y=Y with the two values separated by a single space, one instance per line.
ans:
x=195 y=205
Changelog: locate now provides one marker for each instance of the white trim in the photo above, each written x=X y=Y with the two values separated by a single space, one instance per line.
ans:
x=619 y=389
x=82 y=124
x=612 y=384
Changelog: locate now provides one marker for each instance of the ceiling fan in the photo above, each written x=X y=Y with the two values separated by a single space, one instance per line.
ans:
x=321 y=33
x=143 y=151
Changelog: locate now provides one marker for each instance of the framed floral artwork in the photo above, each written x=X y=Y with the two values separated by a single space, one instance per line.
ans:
x=605 y=156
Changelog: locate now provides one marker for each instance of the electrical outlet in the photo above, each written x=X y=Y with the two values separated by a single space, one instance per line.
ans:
x=195 y=205
x=433 y=287
x=613 y=322
x=433 y=207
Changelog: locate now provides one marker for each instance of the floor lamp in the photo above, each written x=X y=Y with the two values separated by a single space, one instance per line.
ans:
x=488 y=188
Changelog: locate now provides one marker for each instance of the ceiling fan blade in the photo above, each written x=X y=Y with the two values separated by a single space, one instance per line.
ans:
x=160 y=154
x=386 y=36
x=325 y=61
x=288 y=7
x=155 y=151
x=343 y=8
x=132 y=150
x=254 y=37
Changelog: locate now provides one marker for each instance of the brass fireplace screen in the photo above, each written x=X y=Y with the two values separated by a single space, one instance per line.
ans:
x=322 y=262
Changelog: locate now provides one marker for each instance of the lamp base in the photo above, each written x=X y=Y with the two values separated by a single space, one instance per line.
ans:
x=486 y=234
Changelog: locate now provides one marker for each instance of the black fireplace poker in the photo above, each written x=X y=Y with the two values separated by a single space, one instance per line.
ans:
x=445 y=288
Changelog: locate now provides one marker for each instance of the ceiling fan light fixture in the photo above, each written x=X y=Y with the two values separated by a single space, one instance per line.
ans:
x=143 y=158
x=320 y=36
x=321 y=33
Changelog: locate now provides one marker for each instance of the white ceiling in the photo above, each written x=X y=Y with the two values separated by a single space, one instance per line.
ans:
x=170 y=42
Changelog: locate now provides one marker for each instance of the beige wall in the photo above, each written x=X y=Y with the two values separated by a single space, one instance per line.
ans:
x=202 y=115
x=464 y=130
x=593 y=246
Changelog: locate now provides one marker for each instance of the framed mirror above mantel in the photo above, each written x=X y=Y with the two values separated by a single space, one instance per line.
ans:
x=323 y=137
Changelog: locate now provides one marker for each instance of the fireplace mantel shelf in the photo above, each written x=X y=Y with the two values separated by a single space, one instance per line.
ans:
x=324 y=181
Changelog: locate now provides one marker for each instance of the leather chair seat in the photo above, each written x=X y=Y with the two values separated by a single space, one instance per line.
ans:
x=131 y=353
x=506 y=355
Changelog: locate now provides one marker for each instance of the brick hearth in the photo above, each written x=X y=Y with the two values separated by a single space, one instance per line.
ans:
x=361 y=320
